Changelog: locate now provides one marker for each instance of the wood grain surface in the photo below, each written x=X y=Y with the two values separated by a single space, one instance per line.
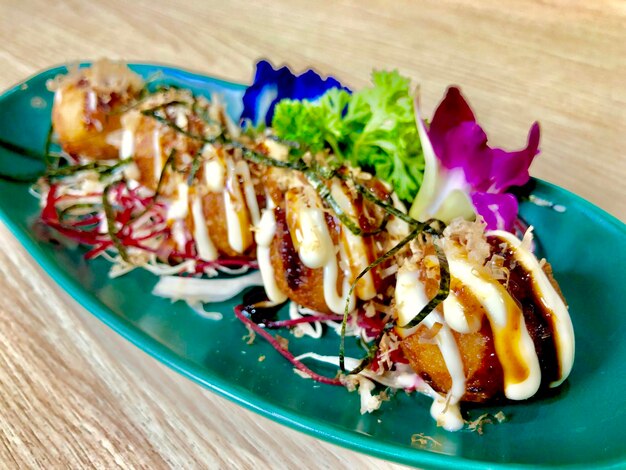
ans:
x=74 y=394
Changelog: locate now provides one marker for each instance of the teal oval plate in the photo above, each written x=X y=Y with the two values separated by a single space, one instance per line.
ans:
x=580 y=425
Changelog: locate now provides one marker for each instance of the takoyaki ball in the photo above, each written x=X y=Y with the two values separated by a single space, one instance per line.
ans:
x=163 y=125
x=505 y=314
x=307 y=229
x=482 y=369
x=301 y=284
x=87 y=107
x=232 y=197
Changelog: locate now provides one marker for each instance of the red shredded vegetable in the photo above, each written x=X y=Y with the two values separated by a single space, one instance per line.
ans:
x=297 y=321
x=128 y=204
x=282 y=350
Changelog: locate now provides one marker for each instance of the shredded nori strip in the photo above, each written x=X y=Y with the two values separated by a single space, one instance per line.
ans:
x=195 y=166
x=324 y=192
x=317 y=182
x=102 y=170
x=163 y=120
x=442 y=293
x=444 y=283
x=298 y=165
x=389 y=208
x=63 y=213
x=414 y=233
x=259 y=158
x=110 y=217
x=144 y=95
x=105 y=172
x=169 y=162
x=202 y=113
x=317 y=177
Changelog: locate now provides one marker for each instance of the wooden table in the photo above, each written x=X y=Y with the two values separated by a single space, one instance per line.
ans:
x=73 y=394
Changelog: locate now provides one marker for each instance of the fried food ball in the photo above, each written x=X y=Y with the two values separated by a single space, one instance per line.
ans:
x=303 y=285
x=87 y=108
x=228 y=186
x=297 y=205
x=483 y=369
x=150 y=140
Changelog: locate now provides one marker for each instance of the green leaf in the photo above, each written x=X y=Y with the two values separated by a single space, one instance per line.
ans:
x=374 y=129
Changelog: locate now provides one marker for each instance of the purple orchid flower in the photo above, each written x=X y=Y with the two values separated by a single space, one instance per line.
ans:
x=463 y=174
x=272 y=85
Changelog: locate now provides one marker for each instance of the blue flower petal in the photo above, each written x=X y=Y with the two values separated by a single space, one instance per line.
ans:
x=310 y=86
x=270 y=86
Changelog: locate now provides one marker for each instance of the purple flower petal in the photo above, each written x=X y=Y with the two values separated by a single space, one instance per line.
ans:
x=450 y=113
x=270 y=86
x=498 y=210
x=511 y=168
x=460 y=143
x=465 y=146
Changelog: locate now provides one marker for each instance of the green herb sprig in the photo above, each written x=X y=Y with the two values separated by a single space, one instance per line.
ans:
x=374 y=129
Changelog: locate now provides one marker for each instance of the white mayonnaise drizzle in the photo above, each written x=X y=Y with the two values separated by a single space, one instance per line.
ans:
x=507 y=323
x=237 y=222
x=397 y=228
x=276 y=150
x=181 y=117
x=214 y=175
x=158 y=156
x=242 y=169
x=178 y=234
x=561 y=322
x=264 y=236
x=354 y=245
x=206 y=248
x=58 y=97
x=410 y=297
x=127 y=148
x=315 y=246
x=179 y=208
x=242 y=210
x=92 y=100
x=447 y=411
x=317 y=250
x=455 y=316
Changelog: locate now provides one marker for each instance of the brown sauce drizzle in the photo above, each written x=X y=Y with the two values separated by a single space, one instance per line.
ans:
x=486 y=381
x=517 y=369
x=366 y=223
x=369 y=218
x=472 y=307
x=521 y=286
x=293 y=266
